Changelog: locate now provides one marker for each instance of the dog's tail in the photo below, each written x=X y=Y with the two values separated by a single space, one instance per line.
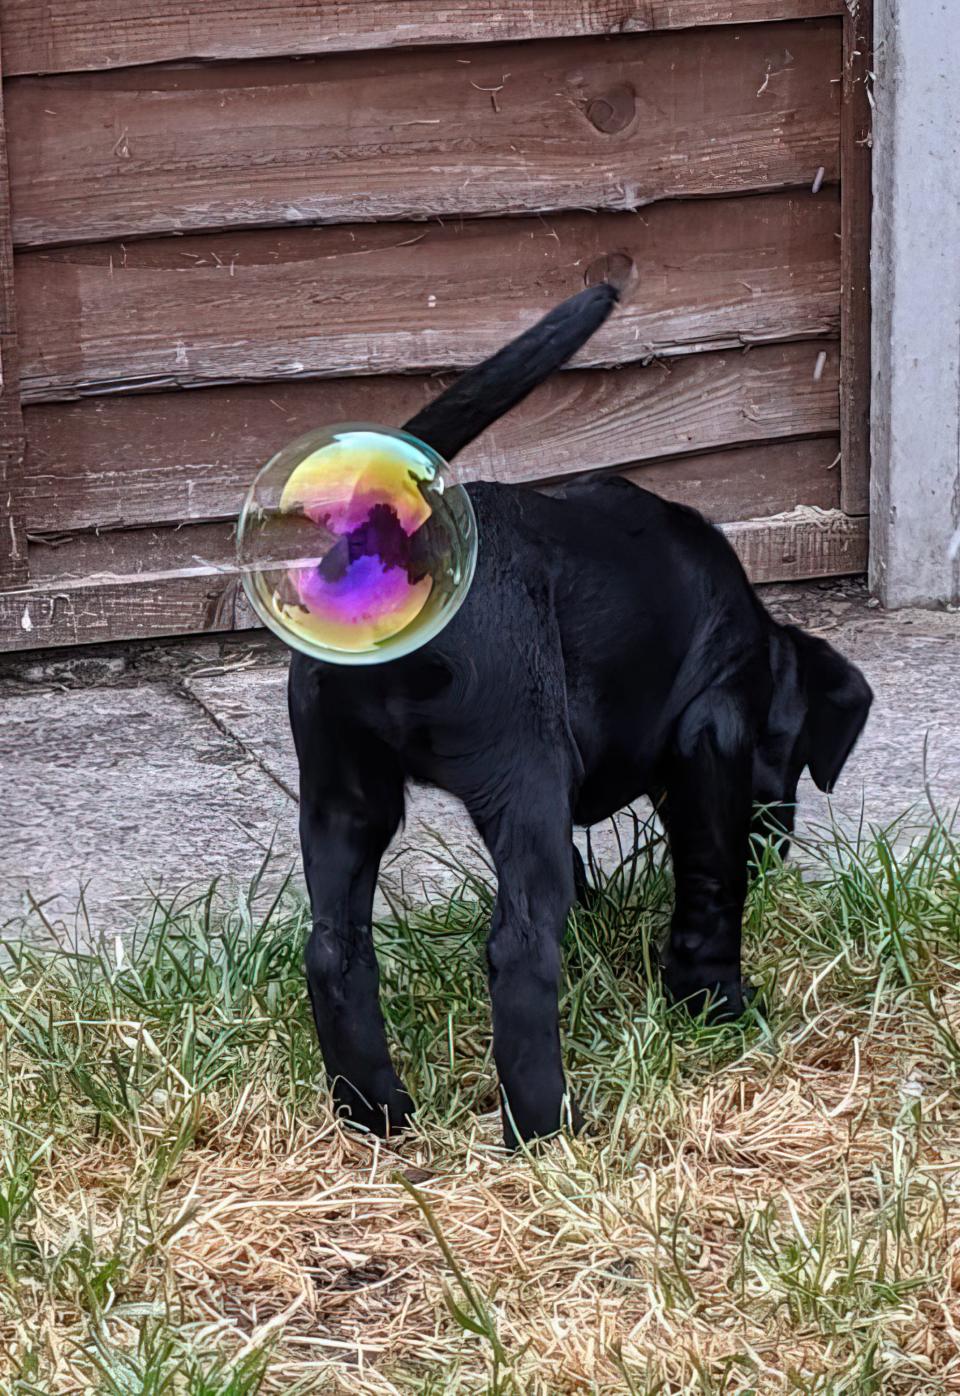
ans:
x=486 y=392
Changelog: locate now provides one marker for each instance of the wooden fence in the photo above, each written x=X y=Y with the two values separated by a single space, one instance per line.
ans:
x=220 y=226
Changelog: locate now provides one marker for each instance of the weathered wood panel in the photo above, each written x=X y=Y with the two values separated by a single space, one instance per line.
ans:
x=403 y=298
x=87 y=615
x=90 y=559
x=766 y=479
x=806 y=543
x=109 y=462
x=521 y=128
x=50 y=36
x=751 y=482
x=13 y=544
x=802 y=544
x=856 y=227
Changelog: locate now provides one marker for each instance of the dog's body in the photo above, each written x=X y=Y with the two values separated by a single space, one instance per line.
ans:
x=610 y=647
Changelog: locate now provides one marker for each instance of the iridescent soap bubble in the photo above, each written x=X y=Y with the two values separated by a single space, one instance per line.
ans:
x=352 y=545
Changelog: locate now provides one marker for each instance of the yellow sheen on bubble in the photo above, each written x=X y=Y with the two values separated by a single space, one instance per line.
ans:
x=357 y=470
x=352 y=546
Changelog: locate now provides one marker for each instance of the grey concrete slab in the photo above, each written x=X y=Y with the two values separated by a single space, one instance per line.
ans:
x=252 y=707
x=911 y=747
x=165 y=766
x=120 y=791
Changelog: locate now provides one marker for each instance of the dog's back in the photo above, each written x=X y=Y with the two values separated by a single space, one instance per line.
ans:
x=650 y=607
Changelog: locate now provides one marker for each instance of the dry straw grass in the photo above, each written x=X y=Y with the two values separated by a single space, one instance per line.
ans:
x=762 y=1209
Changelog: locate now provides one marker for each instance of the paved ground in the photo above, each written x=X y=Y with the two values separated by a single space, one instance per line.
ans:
x=125 y=770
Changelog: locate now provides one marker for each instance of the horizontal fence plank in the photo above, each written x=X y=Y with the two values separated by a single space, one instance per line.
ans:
x=803 y=544
x=109 y=462
x=133 y=554
x=522 y=128
x=782 y=474
x=405 y=298
x=97 y=613
x=750 y=482
x=49 y=36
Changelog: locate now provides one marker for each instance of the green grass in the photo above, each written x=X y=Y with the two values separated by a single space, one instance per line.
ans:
x=768 y=1207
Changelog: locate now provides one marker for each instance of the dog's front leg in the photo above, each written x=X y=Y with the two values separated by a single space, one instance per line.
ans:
x=707 y=813
x=529 y=838
x=351 y=804
x=342 y=848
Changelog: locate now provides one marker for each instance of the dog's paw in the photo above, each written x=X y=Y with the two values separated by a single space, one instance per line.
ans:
x=534 y=1132
x=721 y=1002
x=727 y=1002
x=385 y=1117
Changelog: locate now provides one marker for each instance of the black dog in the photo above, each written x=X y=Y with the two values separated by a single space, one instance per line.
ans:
x=610 y=647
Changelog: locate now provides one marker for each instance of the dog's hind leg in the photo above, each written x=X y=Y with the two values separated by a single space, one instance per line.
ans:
x=351 y=803
x=528 y=833
x=706 y=812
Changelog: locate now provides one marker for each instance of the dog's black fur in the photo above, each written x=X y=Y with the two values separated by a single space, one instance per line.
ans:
x=610 y=647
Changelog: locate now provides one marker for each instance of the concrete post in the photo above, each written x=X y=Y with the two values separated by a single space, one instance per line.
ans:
x=915 y=481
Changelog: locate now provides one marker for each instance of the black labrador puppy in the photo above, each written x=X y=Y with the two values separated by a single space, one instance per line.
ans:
x=610 y=647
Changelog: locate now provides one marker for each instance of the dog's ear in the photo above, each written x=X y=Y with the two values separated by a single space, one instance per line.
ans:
x=837 y=704
x=838 y=700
